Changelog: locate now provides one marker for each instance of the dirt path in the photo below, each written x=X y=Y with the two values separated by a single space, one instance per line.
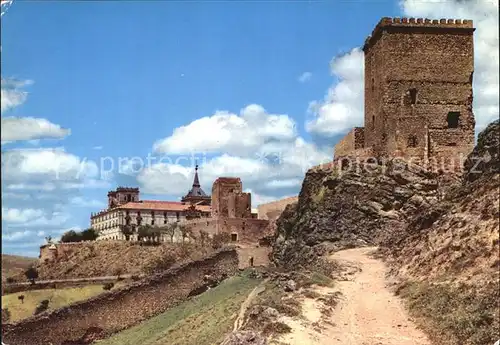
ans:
x=367 y=314
x=244 y=306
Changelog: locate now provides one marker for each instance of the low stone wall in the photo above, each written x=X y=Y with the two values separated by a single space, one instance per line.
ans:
x=259 y=254
x=55 y=250
x=13 y=288
x=272 y=210
x=113 y=311
x=248 y=230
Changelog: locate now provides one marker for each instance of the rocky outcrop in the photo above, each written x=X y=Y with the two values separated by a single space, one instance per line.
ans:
x=244 y=338
x=353 y=204
x=459 y=236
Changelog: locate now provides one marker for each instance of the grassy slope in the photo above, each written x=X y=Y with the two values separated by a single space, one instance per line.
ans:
x=14 y=265
x=202 y=320
x=57 y=297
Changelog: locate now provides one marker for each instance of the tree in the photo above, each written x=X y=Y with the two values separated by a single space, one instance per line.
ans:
x=78 y=236
x=147 y=232
x=127 y=230
x=118 y=272
x=71 y=236
x=32 y=274
x=170 y=230
x=185 y=231
x=21 y=298
x=108 y=286
x=203 y=238
x=88 y=235
x=43 y=306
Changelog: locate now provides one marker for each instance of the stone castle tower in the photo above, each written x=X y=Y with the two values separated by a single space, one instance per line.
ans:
x=418 y=91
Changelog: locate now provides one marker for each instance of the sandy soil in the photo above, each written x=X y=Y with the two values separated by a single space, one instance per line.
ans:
x=367 y=314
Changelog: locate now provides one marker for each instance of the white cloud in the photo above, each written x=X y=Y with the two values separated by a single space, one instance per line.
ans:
x=305 y=77
x=16 y=235
x=342 y=107
x=47 y=164
x=56 y=219
x=82 y=202
x=230 y=133
x=29 y=128
x=484 y=13
x=288 y=183
x=264 y=150
x=12 y=93
x=14 y=215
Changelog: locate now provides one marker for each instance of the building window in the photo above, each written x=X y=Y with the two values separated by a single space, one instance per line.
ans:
x=165 y=221
x=373 y=121
x=412 y=141
x=152 y=221
x=234 y=237
x=453 y=119
x=451 y=144
x=413 y=96
x=177 y=214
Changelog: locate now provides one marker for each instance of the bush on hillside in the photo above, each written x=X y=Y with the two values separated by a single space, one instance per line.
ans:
x=108 y=286
x=43 y=306
x=79 y=236
x=31 y=274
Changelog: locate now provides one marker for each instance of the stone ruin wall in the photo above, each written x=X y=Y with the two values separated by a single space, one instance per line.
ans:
x=351 y=142
x=51 y=252
x=259 y=254
x=239 y=205
x=116 y=310
x=248 y=230
x=272 y=210
x=222 y=188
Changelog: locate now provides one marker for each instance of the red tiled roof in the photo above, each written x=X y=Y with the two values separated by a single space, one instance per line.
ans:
x=156 y=205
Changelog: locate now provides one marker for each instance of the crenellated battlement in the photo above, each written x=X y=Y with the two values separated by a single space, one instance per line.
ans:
x=423 y=23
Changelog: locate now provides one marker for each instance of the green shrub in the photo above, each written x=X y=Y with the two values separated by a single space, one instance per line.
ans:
x=108 y=286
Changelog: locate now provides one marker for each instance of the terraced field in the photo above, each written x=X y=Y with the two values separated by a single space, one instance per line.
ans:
x=202 y=320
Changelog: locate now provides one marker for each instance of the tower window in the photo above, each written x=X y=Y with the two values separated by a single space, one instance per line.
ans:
x=413 y=96
x=412 y=141
x=453 y=119
x=373 y=121
x=234 y=237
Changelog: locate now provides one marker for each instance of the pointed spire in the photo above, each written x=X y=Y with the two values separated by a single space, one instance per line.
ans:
x=196 y=182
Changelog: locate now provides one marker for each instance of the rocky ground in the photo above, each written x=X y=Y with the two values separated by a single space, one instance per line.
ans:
x=353 y=206
x=438 y=232
x=102 y=258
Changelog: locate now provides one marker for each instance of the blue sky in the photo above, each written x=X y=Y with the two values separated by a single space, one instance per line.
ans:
x=236 y=83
